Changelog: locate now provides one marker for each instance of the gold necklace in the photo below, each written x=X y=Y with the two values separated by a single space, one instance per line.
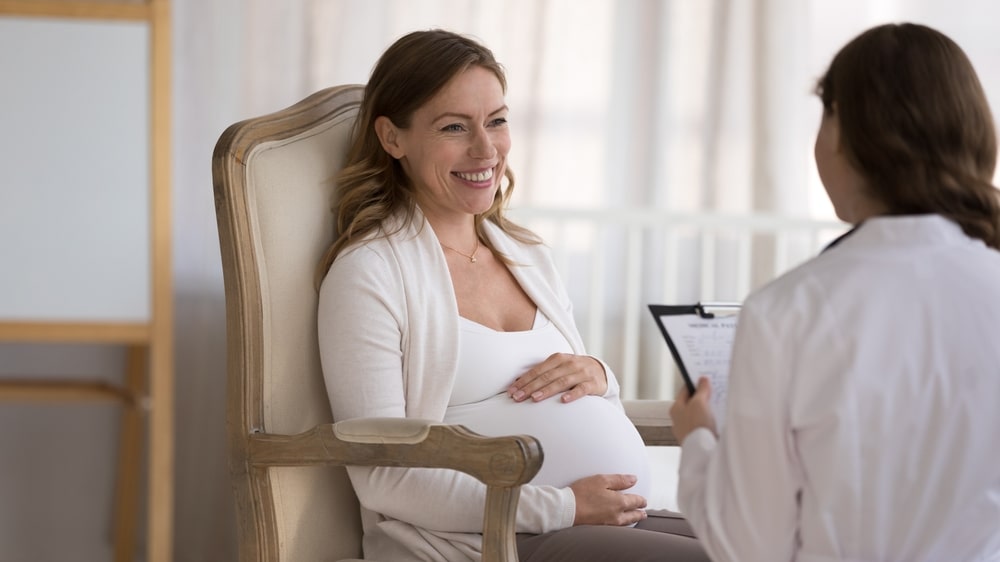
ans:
x=471 y=257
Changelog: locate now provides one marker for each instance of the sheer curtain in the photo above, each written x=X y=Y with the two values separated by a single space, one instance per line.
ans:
x=672 y=105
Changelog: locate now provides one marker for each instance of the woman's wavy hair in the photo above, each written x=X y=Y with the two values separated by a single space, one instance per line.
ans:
x=373 y=186
x=915 y=122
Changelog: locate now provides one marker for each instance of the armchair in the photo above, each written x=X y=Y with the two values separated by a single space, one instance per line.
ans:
x=273 y=178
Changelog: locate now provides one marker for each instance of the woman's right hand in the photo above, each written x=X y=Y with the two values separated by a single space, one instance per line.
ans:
x=599 y=500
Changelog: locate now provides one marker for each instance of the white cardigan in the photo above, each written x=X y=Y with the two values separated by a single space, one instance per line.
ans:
x=388 y=331
x=862 y=418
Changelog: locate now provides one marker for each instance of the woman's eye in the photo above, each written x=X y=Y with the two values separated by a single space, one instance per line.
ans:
x=499 y=122
x=453 y=128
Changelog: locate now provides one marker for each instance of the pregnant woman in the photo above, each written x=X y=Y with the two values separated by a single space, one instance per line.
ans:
x=433 y=305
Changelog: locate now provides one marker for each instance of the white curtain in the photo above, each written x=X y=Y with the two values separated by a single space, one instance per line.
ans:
x=678 y=105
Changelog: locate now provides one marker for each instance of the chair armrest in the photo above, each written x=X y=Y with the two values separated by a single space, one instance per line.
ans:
x=652 y=420
x=502 y=463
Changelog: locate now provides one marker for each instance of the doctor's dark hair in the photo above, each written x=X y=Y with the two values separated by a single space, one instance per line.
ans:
x=373 y=186
x=915 y=122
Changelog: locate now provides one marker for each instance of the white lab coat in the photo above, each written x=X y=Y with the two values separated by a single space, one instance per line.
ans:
x=863 y=413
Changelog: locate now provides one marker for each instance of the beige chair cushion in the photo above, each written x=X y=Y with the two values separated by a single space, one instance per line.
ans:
x=291 y=182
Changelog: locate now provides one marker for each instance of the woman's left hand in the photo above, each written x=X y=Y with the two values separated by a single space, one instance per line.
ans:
x=688 y=413
x=574 y=376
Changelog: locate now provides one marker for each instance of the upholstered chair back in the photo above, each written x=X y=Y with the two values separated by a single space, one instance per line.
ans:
x=274 y=180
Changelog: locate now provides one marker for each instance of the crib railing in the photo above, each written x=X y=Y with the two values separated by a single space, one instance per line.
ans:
x=616 y=261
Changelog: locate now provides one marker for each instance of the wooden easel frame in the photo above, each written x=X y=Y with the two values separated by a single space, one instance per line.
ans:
x=149 y=381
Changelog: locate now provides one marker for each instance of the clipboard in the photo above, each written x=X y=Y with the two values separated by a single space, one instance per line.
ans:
x=700 y=337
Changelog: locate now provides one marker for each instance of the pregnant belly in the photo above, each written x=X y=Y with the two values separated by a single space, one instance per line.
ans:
x=585 y=437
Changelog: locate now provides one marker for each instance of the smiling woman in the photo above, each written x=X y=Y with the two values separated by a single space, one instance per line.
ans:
x=454 y=147
x=433 y=305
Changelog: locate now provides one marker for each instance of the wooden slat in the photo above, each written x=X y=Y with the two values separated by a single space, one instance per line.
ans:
x=160 y=471
x=652 y=421
x=133 y=11
x=26 y=390
x=130 y=446
x=75 y=332
x=657 y=435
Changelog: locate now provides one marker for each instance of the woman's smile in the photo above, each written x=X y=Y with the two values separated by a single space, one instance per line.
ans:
x=482 y=179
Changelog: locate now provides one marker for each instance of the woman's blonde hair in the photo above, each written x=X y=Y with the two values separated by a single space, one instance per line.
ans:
x=916 y=124
x=373 y=186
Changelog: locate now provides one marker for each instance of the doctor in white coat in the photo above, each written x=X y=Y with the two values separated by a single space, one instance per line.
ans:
x=863 y=411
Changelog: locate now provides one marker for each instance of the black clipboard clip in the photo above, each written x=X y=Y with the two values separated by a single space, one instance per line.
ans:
x=711 y=309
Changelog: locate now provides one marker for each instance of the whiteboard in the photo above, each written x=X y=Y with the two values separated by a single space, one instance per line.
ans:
x=74 y=171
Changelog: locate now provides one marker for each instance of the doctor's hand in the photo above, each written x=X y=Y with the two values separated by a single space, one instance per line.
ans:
x=573 y=375
x=599 y=500
x=691 y=412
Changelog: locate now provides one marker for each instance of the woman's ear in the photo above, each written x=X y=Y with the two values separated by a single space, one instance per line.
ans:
x=388 y=136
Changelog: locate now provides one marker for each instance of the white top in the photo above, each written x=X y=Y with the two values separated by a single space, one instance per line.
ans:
x=489 y=360
x=863 y=418
x=388 y=327
x=588 y=436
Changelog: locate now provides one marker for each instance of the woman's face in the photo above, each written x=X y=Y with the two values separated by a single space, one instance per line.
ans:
x=455 y=150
